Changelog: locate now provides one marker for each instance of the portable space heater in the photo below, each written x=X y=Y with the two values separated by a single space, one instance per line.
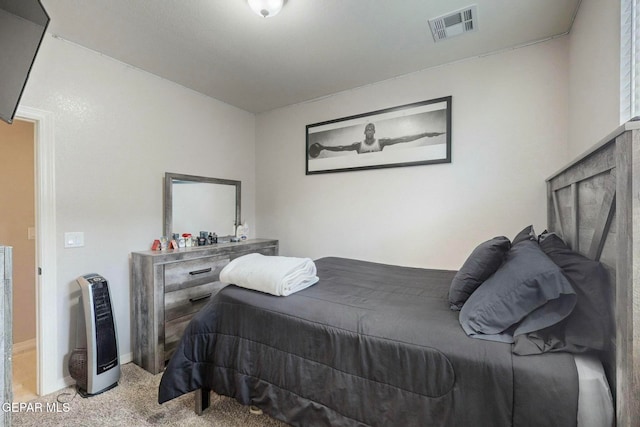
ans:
x=95 y=368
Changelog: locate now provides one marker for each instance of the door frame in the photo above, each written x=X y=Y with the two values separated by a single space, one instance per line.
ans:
x=45 y=204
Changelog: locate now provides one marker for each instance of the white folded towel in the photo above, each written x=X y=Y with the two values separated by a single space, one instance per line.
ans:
x=276 y=275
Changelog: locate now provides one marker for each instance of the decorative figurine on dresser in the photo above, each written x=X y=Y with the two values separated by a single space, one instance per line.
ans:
x=173 y=281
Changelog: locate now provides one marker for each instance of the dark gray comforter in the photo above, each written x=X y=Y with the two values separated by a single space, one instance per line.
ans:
x=369 y=344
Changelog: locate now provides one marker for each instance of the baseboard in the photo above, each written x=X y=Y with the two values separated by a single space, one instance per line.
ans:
x=126 y=358
x=21 y=347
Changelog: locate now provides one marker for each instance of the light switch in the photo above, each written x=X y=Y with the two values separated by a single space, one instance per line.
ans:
x=73 y=239
x=31 y=233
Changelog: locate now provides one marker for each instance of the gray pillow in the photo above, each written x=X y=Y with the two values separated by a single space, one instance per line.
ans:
x=590 y=324
x=527 y=233
x=527 y=293
x=482 y=263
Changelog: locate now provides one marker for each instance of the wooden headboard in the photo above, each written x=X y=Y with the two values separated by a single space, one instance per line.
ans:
x=594 y=204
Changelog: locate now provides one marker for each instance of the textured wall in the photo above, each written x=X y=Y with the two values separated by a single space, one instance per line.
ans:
x=117 y=130
x=509 y=133
x=594 y=74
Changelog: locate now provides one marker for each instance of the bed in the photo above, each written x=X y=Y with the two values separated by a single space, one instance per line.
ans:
x=374 y=344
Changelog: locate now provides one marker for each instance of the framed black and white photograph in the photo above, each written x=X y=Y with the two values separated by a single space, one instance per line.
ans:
x=407 y=135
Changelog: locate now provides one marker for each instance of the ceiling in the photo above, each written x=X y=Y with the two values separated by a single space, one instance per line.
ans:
x=313 y=48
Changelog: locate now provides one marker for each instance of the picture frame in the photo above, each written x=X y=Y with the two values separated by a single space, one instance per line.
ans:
x=407 y=135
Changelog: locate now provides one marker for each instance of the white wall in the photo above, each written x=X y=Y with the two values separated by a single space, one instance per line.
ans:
x=594 y=74
x=117 y=131
x=509 y=134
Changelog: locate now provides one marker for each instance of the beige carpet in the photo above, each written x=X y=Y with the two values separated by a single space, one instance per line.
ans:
x=134 y=403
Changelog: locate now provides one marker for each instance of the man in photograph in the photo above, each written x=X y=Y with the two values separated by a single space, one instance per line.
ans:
x=370 y=144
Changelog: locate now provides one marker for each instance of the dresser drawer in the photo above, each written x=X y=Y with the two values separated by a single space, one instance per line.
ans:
x=189 y=300
x=264 y=251
x=267 y=251
x=173 y=331
x=185 y=274
x=180 y=307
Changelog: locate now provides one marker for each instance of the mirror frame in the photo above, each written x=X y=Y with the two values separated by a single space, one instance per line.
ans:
x=169 y=178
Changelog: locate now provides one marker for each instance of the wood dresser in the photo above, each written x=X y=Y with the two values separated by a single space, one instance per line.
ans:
x=169 y=287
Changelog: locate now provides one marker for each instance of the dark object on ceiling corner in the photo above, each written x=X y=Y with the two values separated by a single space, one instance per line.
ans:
x=23 y=24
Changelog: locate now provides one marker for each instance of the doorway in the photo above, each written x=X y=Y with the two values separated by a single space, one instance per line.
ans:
x=17 y=229
x=46 y=319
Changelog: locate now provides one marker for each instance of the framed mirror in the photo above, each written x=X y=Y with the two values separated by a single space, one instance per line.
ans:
x=196 y=203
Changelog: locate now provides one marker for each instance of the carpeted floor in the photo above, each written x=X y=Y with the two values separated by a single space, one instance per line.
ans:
x=134 y=403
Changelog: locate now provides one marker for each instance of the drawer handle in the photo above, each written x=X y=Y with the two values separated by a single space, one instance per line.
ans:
x=196 y=272
x=201 y=297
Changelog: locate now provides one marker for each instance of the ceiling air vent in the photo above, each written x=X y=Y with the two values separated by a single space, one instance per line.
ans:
x=454 y=23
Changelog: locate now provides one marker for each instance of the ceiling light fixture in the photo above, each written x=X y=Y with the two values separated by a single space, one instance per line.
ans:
x=266 y=8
